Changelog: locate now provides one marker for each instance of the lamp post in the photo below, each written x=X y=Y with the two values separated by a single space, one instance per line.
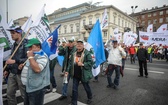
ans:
x=133 y=8
x=7 y=10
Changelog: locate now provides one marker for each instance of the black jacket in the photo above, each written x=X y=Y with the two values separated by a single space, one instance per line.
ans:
x=20 y=57
x=142 y=54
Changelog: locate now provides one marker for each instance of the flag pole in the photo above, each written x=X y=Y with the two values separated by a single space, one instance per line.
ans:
x=17 y=47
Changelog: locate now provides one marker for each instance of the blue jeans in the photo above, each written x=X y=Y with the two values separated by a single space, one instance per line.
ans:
x=111 y=68
x=52 y=79
x=65 y=87
x=150 y=57
x=75 y=90
x=35 y=98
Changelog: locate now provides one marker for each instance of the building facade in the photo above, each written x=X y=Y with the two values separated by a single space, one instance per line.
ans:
x=78 y=21
x=20 y=21
x=156 y=16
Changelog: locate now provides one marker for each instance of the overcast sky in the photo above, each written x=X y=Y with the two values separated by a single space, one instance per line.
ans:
x=21 y=8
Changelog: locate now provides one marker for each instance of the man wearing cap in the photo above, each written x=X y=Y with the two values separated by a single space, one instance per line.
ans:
x=14 y=78
x=114 y=63
x=142 y=59
x=66 y=51
x=36 y=74
x=79 y=68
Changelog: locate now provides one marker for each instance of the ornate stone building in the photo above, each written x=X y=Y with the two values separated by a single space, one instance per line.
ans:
x=78 y=21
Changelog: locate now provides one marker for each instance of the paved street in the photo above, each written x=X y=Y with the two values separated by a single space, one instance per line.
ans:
x=133 y=90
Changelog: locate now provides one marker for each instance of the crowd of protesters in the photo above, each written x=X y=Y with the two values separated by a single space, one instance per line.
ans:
x=32 y=71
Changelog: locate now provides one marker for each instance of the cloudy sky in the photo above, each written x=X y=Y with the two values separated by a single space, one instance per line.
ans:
x=21 y=8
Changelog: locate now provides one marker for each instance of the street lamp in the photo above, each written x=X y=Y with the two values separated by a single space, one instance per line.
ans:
x=133 y=8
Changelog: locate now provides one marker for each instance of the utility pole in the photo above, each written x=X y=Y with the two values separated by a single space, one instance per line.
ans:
x=7 y=10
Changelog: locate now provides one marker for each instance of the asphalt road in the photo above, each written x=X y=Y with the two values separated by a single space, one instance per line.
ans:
x=133 y=90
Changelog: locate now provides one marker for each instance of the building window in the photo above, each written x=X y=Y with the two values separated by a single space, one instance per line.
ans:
x=84 y=22
x=118 y=21
x=154 y=21
x=122 y=23
x=114 y=19
x=125 y=24
x=65 y=30
x=149 y=22
x=161 y=20
x=90 y=21
x=59 y=30
x=128 y=24
x=77 y=28
x=166 y=19
x=161 y=12
x=71 y=29
x=105 y=33
x=149 y=15
x=166 y=11
x=143 y=16
x=97 y=18
x=143 y=22
x=154 y=14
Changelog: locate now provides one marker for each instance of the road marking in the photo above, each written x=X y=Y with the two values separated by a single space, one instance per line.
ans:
x=158 y=72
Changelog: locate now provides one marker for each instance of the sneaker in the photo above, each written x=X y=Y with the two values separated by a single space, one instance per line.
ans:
x=62 y=97
x=146 y=76
x=140 y=76
x=54 y=90
x=89 y=101
x=108 y=86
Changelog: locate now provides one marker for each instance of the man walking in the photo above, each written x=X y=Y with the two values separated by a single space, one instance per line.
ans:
x=14 y=78
x=79 y=68
x=114 y=63
x=36 y=73
x=142 y=58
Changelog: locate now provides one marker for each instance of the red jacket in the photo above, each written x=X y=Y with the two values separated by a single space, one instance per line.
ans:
x=132 y=50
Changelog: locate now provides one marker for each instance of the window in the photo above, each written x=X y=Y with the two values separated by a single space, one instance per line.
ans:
x=128 y=24
x=154 y=21
x=84 y=22
x=90 y=21
x=122 y=23
x=114 y=19
x=143 y=22
x=154 y=14
x=105 y=33
x=77 y=28
x=65 y=29
x=97 y=18
x=161 y=12
x=149 y=22
x=143 y=16
x=166 y=11
x=161 y=20
x=71 y=29
x=166 y=19
x=149 y=15
x=125 y=24
x=60 y=30
x=118 y=21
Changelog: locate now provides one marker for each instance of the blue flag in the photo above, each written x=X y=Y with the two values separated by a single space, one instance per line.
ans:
x=49 y=46
x=95 y=40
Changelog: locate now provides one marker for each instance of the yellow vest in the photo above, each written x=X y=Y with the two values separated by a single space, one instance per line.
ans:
x=149 y=50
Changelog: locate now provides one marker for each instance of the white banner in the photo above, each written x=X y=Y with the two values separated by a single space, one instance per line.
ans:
x=153 y=38
x=1 y=73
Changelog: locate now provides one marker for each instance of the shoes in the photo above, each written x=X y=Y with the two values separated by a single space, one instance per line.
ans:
x=95 y=81
x=89 y=101
x=54 y=90
x=140 y=76
x=62 y=97
x=146 y=76
x=116 y=87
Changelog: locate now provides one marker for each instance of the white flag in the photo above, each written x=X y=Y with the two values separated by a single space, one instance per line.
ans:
x=1 y=72
x=162 y=28
x=10 y=23
x=27 y=24
x=115 y=31
x=5 y=36
x=40 y=28
x=104 y=21
x=150 y=28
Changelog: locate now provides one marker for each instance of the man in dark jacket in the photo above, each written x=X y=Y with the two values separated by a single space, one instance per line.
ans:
x=79 y=68
x=14 y=79
x=142 y=58
x=66 y=51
